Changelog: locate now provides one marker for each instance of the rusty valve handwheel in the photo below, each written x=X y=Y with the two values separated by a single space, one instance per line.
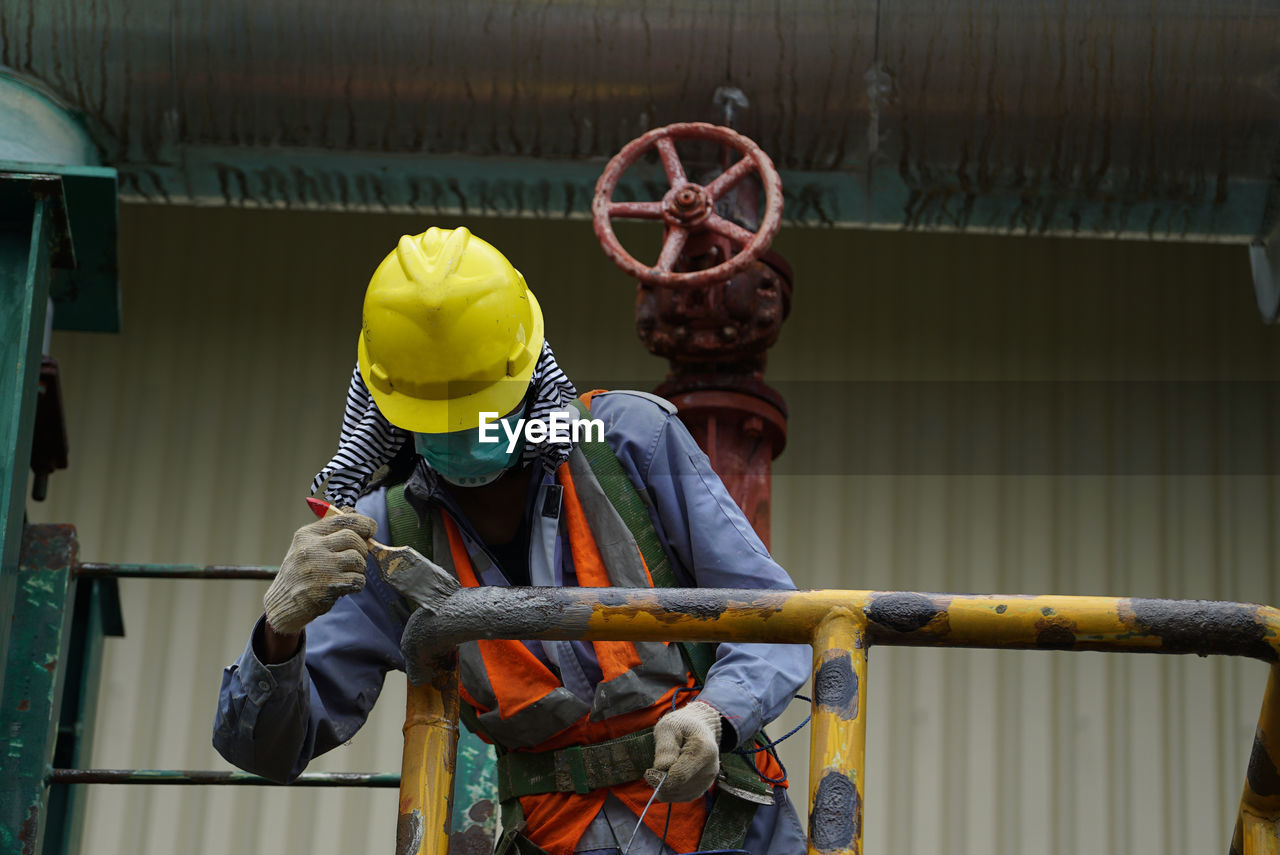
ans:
x=687 y=207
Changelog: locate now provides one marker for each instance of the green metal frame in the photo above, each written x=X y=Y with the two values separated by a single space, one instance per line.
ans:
x=50 y=696
x=29 y=217
x=81 y=276
x=95 y=615
x=63 y=613
x=86 y=297
x=41 y=137
x=55 y=768
x=34 y=674
x=58 y=225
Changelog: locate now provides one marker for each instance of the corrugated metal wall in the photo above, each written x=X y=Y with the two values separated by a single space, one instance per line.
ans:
x=195 y=433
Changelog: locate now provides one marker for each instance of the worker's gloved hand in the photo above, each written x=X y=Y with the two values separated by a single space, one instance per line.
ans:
x=325 y=561
x=687 y=743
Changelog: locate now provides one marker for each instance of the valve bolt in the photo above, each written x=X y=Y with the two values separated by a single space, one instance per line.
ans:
x=687 y=198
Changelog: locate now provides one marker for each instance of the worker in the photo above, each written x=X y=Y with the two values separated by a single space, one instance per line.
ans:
x=450 y=332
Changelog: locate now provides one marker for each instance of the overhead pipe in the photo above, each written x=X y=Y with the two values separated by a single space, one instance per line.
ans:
x=1111 y=117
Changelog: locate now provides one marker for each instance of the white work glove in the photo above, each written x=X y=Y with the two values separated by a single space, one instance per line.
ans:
x=686 y=745
x=325 y=561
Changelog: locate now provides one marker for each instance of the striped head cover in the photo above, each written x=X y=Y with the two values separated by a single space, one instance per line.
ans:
x=368 y=440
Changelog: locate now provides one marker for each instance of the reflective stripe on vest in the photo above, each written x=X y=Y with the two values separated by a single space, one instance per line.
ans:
x=520 y=703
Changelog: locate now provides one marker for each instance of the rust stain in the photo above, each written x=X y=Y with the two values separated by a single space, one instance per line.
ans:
x=30 y=830
x=1054 y=632
x=473 y=840
x=481 y=810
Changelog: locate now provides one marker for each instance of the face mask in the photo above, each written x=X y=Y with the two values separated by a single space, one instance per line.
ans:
x=464 y=461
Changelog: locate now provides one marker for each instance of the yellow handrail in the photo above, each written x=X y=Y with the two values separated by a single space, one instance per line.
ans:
x=841 y=626
x=426 y=769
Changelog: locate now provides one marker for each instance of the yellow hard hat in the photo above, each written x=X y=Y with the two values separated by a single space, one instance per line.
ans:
x=450 y=330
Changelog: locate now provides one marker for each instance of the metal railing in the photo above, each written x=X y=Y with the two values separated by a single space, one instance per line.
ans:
x=840 y=625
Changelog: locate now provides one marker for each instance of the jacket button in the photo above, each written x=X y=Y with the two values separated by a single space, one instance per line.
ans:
x=264 y=685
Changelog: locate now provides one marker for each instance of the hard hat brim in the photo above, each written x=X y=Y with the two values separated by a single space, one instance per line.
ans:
x=421 y=415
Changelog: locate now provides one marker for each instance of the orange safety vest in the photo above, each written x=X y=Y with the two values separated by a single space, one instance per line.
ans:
x=517 y=679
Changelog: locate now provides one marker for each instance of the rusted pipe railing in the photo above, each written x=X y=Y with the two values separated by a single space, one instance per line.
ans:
x=842 y=625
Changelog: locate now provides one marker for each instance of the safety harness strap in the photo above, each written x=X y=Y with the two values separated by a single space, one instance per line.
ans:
x=727 y=823
x=730 y=815
x=577 y=769
x=513 y=840
x=632 y=506
x=403 y=520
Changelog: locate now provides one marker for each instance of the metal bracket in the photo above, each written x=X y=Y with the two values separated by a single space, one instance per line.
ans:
x=84 y=285
x=730 y=99
x=1264 y=259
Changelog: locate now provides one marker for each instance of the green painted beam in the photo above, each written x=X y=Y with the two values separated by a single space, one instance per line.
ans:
x=33 y=679
x=86 y=298
x=46 y=168
x=25 y=225
x=40 y=135
x=57 y=247
x=84 y=280
x=96 y=615
x=1232 y=210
